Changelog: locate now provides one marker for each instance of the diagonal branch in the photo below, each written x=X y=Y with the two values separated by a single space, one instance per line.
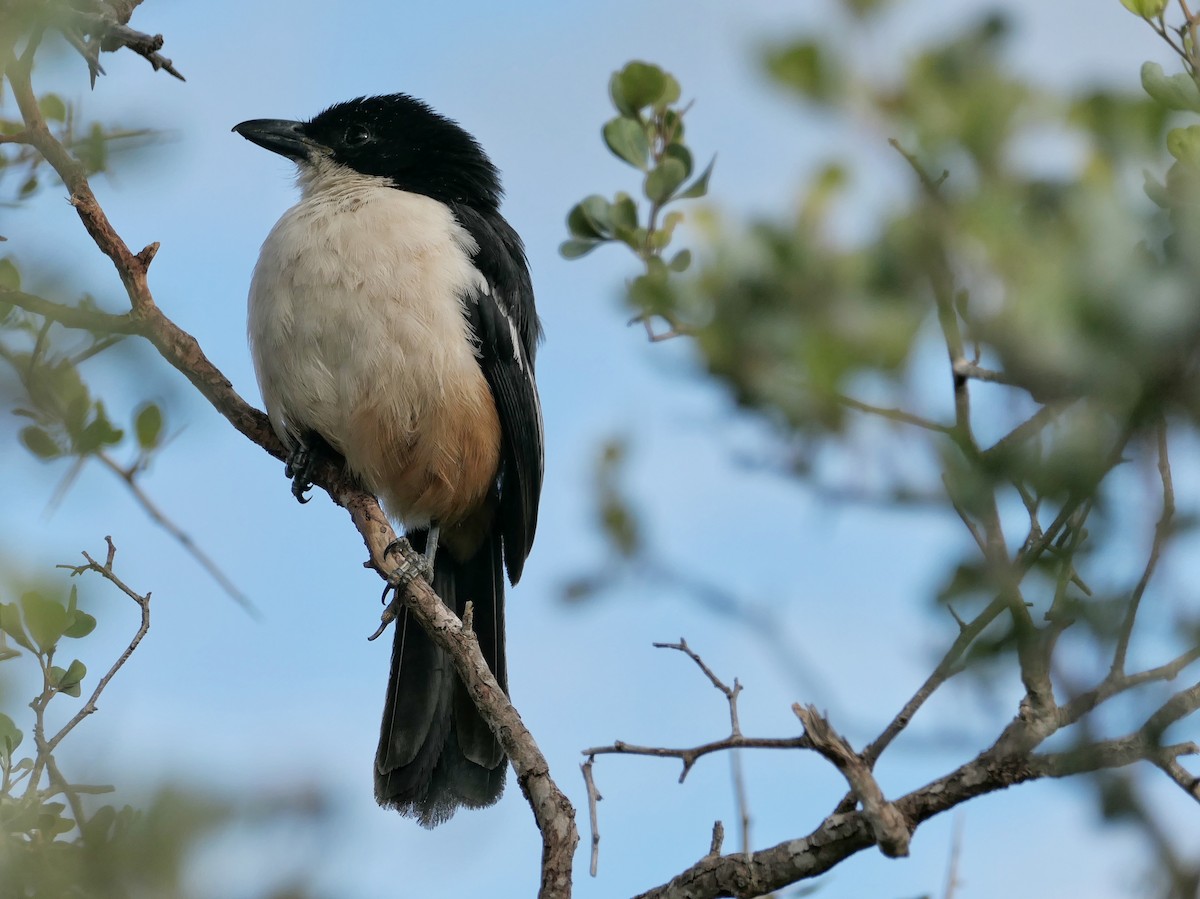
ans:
x=552 y=810
x=1162 y=531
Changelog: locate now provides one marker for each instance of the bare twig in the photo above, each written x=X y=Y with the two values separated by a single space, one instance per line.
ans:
x=946 y=669
x=674 y=328
x=735 y=729
x=952 y=881
x=718 y=839
x=891 y=831
x=1025 y=431
x=129 y=476
x=931 y=185
x=109 y=34
x=691 y=755
x=897 y=415
x=970 y=371
x=46 y=746
x=594 y=797
x=1162 y=531
x=731 y=693
x=965 y=517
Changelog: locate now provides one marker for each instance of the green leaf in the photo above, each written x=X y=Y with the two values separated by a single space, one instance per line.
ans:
x=10 y=275
x=804 y=68
x=1184 y=145
x=1177 y=91
x=650 y=292
x=669 y=223
x=53 y=108
x=634 y=238
x=682 y=154
x=680 y=261
x=638 y=85
x=574 y=249
x=45 y=619
x=28 y=187
x=68 y=681
x=1155 y=190
x=99 y=433
x=623 y=212
x=1147 y=9
x=670 y=94
x=672 y=124
x=699 y=187
x=10 y=736
x=664 y=180
x=626 y=138
x=147 y=424
x=50 y=819
x=10 y=623
x=80 y=624
x=581 y=226
x=93 y=149
x=39 y=442
x=595 y=211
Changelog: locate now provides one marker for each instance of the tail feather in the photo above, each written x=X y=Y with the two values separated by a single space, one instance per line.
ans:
x=435 y=751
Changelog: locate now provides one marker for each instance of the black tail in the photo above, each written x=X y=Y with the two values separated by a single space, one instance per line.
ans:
x=435 y=751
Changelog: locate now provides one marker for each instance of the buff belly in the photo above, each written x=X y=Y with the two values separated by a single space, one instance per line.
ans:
x=358 y=332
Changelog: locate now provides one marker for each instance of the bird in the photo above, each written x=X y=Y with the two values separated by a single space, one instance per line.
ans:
x=392 y=326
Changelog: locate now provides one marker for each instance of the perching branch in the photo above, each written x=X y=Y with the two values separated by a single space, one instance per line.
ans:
x=552 y=811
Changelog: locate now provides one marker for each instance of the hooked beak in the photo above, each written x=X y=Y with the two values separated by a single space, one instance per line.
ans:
x=279 y=136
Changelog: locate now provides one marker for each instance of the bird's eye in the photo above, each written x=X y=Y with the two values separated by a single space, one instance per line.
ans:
x=357 y=135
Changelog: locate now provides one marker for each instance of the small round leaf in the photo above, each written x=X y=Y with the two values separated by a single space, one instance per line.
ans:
x=574 y=249
x=39 y=442
x=147 y=424
x=665 y=180
x=626 y=138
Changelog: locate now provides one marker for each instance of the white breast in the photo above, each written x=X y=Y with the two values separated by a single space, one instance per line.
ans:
x=356 y=302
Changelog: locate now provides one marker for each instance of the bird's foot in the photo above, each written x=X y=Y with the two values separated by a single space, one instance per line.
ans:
x=297 y=467
x=412 y=565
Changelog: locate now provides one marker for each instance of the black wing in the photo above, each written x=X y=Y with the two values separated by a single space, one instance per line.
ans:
x=505 y=323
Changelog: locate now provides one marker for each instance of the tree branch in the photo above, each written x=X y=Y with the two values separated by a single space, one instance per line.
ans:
x=890 y=829
x=1162 y=531
x=552 y=810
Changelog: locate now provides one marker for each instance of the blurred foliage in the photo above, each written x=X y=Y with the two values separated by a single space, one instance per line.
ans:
x=647 y=134
x=1027 y=240
x=56 y=838
x=997 y=325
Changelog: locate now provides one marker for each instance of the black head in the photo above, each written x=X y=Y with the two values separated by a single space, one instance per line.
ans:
x=396 y=137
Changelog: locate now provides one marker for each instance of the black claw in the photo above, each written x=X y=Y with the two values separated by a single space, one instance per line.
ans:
x=296 y=467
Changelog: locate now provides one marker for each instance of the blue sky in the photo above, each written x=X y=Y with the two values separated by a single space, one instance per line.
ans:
x=236 y=703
